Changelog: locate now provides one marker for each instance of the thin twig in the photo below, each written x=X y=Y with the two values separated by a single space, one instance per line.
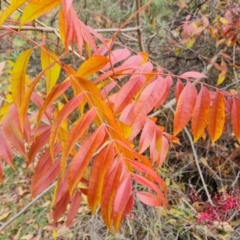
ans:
x=139 y=30
x=26 y=207
x=198 y=166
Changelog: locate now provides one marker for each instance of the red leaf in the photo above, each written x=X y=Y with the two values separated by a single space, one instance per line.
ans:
x=149 y=199
x=42 y=168
x=149 y=98
x=164 y=97
x=185 y=107
x=235 y=113
x=143 y=168
x=46 y=178
x=178 y=89
x=14 y=135
x=75 y=204
x=61 y=206
x=83 y=157
x=121 y=201
x=146 y=182
x=147 y=135
x=200 y=113
x=5 y=150
x=1 y=171
x=38 y=143
x=117 y=56
x=67 y=4
x=163 y=152
x=192 y=74
x=128 y=92
x=216 y=117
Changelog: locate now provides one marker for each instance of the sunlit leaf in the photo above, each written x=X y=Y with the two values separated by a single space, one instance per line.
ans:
x=36 y=8
x=91 y=66
x=52 y=74
x=216 y=117
x=15 y=4
x=200 y=113
x=19 y=76
x=100 y=165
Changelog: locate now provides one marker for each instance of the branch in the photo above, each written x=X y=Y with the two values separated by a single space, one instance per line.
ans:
x=50 y=29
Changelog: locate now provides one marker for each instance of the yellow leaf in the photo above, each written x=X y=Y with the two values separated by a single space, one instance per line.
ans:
x=221 y=78
x=49 y=58
x=13 y=6
x=19 y=77
x=223 y=20
x=61 y=25
x=36 y=8
x=91 y=66
x=4 y=216
x=190 y=42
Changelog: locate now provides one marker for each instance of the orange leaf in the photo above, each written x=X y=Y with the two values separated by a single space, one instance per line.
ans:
x=19 y=76
x=200 y=113
x=235 y=113
x=100 y=166
x=36 y=8
x=75 y=204
x=216 y=117
x=61 y=117
x=127 y=92
x=51 y=73
x=77 y=132
x=91 y=66
x=185 y=107
x=84 y=156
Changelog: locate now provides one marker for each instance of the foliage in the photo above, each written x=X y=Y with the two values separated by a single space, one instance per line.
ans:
x=115 y=93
